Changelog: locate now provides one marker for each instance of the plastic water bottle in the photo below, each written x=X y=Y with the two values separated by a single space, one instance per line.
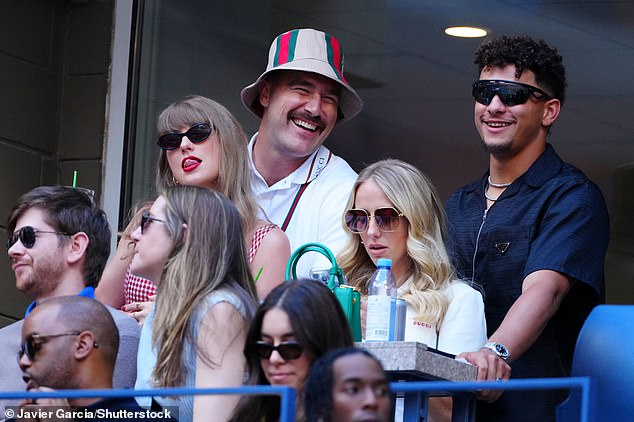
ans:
x=381 y=312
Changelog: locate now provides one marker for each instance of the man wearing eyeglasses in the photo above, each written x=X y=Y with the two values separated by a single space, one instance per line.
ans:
x=58 y=244
x=532 y=232
x=302 y=95
x=70 y=343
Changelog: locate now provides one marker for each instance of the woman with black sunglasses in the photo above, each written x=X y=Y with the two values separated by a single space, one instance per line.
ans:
x=190 y=241
x=394 y=212
x=202 y=144
x=298 y=322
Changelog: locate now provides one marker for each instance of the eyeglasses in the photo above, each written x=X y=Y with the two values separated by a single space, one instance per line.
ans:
x=288 y=350
x=197 y=133
x=386 y=218
x=510 y=93
x=33 y=343
x=146 y=219
x=28 y=235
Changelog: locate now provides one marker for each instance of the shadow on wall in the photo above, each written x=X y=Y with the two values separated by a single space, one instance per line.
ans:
x=619 y=261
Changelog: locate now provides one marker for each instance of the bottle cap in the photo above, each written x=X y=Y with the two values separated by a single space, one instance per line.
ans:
x=384 y=262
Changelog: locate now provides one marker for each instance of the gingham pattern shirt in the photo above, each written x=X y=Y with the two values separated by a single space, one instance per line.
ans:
x=257 y=239
x=137 y=289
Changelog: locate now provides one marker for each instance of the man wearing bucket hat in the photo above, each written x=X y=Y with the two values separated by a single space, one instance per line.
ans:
x=299 y=183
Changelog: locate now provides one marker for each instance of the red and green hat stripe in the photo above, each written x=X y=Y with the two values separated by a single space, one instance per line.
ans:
x=285 y=51
x=287 y=43
x=335 y=56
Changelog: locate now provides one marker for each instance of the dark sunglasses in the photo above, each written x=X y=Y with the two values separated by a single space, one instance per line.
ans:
x=288 y=350
x=510 y=93
x=28 y=235
x=197 y=133
x=386 y=218
x=146 y=219
x=33 y=343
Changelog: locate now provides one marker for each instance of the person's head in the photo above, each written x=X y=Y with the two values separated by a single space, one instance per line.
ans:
x=304 y=320
x=394 y=212
x=521 y=87
x=56 y=233
x=192 y=243
x=302 y=93
x=207 y=148
x=69 y=342
x=347 y=385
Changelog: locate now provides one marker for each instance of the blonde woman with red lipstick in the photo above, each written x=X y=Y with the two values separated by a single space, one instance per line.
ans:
x=202 y=144
x=394 y=212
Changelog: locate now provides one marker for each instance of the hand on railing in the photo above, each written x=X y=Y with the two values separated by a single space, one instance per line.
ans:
x=490 y=368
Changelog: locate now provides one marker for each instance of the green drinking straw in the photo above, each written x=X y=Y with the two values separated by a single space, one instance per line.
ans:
x=258 y=275
x=75 y=178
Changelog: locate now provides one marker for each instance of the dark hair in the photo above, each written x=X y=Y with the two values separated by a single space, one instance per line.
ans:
x=319 y=325
x=70 y=210
x=320 y=382
x=526 y=54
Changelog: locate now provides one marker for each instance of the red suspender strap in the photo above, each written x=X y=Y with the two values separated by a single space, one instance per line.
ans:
x=300 y=192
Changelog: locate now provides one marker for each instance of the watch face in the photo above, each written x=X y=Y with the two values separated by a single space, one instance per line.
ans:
x=501 y=349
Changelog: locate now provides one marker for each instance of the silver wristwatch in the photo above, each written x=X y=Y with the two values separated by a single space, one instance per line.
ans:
x=499 y=349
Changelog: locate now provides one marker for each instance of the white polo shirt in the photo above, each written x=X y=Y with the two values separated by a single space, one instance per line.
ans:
x=319 y=212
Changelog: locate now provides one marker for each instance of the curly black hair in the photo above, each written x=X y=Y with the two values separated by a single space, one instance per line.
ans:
x=526 y=53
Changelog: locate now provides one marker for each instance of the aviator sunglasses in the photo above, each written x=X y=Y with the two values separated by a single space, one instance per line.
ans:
x=28 y=235
x=33 y=343
x=510 y=93
x=197 y=133
x=288 y=350
x=386 y=218
x=146 y=219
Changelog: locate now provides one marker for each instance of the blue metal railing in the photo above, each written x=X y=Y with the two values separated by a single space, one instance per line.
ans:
x=580 y=388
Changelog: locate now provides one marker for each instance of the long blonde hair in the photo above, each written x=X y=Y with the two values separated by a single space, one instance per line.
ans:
x=234 y=179
x=413 y=194
x=206 y=256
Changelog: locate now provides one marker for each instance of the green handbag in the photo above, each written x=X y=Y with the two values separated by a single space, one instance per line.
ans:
x=348 y=297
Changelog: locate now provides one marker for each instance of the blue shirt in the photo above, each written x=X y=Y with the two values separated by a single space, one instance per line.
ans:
x=88 y=291
x=550 y=218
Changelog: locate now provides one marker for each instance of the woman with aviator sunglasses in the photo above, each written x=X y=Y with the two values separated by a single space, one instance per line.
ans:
x=297 y=323
x=202 y=144
x=394 y=212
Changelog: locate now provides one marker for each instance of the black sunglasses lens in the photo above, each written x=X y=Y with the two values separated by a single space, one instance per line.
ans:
x=29 y=348
x=289 y=351
x=199 y=133
x=145 y=220
x=170 y=141
x=263 y=350
x=26 y=235
x=513 y=95
x=356 y=221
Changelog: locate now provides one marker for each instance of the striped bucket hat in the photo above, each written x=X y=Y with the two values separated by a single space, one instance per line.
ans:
x=307 y=50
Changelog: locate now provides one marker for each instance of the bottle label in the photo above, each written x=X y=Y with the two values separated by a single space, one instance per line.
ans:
x=377 y=327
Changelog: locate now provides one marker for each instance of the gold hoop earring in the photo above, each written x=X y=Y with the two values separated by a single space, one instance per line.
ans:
x=174 y=181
